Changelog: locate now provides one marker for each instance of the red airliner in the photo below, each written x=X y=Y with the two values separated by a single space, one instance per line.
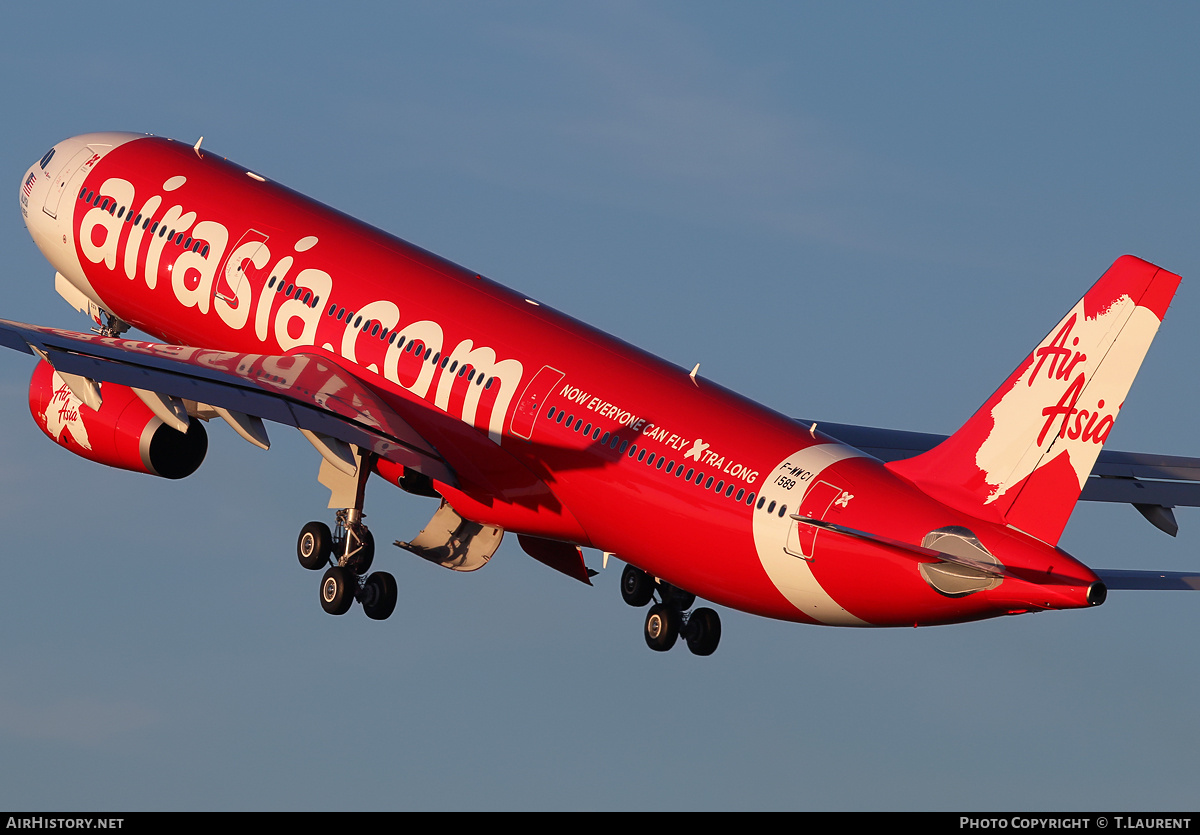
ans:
x=270 y=307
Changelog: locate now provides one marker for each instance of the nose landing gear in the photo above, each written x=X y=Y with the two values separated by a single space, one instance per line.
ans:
x=670 y=618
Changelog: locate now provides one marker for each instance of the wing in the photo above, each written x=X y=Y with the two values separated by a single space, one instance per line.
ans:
x=308 y=391
x=1152 y=483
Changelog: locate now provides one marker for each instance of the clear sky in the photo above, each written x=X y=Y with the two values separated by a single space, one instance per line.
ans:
x=852 y=212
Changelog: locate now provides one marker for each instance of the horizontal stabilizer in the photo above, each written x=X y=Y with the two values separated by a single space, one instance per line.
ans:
x=1150 y=580
x=1136 y=478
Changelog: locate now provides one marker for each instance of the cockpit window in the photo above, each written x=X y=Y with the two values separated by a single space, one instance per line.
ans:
x=46 y=159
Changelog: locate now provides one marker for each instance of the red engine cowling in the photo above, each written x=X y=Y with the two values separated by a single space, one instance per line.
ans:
x=124 y=432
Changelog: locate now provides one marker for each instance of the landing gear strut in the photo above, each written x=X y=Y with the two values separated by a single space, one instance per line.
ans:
x=347 y=551
x=670 y=618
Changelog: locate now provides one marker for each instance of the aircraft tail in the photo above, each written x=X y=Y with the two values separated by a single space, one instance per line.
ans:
x=1023 y=458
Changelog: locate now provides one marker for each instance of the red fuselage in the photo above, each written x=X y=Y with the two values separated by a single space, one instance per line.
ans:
x=553 y=428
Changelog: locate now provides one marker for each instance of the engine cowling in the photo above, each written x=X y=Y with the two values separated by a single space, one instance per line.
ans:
x=123 y=433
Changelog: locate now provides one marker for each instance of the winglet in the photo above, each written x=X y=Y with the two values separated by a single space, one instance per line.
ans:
x=1024 y=457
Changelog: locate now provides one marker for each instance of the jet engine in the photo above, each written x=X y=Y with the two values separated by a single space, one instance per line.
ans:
x=123 y=432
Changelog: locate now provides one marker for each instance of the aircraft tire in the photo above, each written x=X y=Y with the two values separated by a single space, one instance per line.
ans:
x=314 y=546
x=662 y=627
x=703 y=632
x=380 y=600
x=337 y=590
x=361 y=563
x=637 y=587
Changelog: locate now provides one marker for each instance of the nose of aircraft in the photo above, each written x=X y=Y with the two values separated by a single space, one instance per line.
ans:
x=44 y=198
x=45 y=181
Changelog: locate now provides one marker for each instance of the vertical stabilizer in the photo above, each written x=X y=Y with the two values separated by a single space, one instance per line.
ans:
x=1023 y=458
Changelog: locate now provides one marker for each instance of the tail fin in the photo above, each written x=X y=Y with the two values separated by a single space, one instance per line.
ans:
x=1023 y=458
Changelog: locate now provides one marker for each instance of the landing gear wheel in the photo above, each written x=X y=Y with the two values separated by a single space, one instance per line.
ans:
x=314 y=546
x=379 y=595
x=662 y=627
x=360 y=561
x=637 y=587
x=337 y=590
x=703 y=632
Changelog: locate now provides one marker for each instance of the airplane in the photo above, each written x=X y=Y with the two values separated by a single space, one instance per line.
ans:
x=264 y=306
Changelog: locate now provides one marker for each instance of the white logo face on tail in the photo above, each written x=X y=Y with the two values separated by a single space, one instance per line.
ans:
x=1072 y=389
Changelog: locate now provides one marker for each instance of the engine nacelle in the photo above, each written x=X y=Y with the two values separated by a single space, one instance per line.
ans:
x=123 y=433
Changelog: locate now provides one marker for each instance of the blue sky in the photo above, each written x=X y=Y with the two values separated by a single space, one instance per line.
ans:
x=851 y=212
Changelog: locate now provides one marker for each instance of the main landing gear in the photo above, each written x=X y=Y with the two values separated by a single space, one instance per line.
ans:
x=669 y=618
x=346 y=552
x=353 y=546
